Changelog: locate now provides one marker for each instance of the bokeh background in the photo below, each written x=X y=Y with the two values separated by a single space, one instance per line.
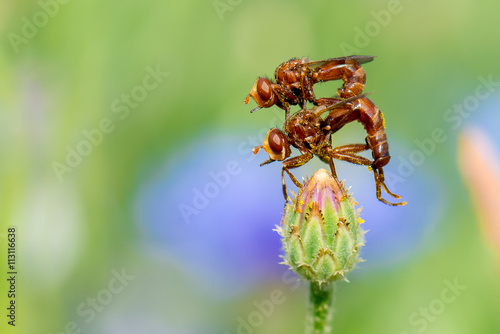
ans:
x=126 y=165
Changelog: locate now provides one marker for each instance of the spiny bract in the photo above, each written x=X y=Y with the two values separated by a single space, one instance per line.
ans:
x=321 y=231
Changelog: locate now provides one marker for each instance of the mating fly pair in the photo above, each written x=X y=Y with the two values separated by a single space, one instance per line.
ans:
x=307 y=131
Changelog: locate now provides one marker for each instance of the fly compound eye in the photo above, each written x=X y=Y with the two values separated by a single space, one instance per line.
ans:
x=276 y=141
x=264 y=89
x=276 y=145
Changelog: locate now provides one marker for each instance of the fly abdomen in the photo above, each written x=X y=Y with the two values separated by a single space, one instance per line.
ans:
x=380 y=148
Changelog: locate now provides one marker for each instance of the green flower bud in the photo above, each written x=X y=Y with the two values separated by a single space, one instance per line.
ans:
x=321 y=231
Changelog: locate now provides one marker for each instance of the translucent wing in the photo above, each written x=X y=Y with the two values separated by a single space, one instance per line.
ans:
x=317 y=64
x=320 y=110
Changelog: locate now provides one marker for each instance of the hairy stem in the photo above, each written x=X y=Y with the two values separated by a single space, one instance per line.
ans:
x=320 y=310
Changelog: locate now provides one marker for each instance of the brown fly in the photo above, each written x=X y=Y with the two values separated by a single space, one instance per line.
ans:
x=307 y=131
x=295 y=79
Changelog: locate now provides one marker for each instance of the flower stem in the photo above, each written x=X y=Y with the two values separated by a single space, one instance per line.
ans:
x=320 y=310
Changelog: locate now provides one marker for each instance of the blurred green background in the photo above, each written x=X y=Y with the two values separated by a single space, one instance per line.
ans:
x=117 y=115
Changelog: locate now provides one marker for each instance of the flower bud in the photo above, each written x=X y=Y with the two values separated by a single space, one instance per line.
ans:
x=321 y=231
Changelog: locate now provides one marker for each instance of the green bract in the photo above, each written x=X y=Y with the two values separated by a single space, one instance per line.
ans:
x=321 y=230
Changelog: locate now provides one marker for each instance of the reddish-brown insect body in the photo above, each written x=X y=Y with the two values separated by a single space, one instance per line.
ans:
x=311 y=135
x=295 y=79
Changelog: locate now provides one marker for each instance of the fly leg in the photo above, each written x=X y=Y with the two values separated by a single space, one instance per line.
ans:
x=378 y=173
x=306 y=85
x=345 y=153
x=286 y=97
x=293 y=163
x=348 y=153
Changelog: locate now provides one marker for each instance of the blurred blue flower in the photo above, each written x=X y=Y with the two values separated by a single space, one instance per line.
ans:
x=214 y=212
x=395 y=234
x=218 y=225
x=398 y=233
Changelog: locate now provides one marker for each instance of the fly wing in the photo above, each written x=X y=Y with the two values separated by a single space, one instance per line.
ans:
x=317 y=64
x=339 y=104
